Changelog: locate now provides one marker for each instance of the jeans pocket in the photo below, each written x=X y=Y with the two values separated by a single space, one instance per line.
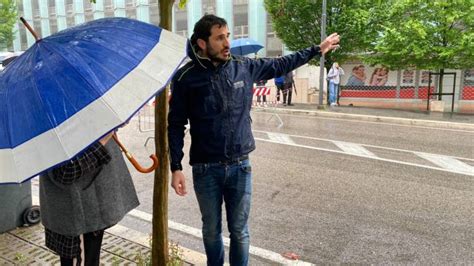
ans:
x=200 y=169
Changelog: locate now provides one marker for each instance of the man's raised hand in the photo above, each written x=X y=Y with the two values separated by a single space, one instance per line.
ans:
x=330 y=43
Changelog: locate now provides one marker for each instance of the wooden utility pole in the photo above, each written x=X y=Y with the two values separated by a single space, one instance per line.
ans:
x=160 y=190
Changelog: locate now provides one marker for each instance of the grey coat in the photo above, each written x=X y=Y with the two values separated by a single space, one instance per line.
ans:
x=83 y=206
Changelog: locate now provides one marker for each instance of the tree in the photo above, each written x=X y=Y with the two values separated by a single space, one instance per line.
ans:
x=160 y=250
x=8 y=18
x=433 y=34
x=297 y=23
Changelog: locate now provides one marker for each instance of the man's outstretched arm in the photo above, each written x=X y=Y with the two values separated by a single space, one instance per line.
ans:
x=268 y=68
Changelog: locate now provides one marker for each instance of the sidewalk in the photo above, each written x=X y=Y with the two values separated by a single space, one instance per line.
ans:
x=120 y=246
x=427 y=119
x=25 y=246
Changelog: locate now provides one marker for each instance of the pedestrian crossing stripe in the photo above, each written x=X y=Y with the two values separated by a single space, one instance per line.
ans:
x=353 y=148
x=442 y=162
x=282 y=138
x=447 y=162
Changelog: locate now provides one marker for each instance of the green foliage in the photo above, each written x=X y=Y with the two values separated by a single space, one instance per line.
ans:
x=8 y=18
x=297 y=23
x=432 y=34
x=425 y=34
x=20 y=258
x=175 y=256
x=182 y=4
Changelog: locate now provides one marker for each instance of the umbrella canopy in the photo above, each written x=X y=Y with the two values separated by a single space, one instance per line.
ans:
x=244 y=46
x=71 y=88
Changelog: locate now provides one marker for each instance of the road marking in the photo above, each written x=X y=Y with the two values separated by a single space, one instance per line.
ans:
x=447 y=162
x=353 y=148
x=283 y=138
x=370 y=157
x=259 y=252
x=364 y=145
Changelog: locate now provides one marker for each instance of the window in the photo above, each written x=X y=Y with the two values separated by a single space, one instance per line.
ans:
x=241 y=28
x=208 y=6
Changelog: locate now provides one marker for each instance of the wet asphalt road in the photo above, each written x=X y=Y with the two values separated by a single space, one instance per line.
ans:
x=344 y=191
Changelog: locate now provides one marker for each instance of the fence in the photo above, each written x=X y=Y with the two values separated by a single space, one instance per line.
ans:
x=146 y=119
x=406 y=92
x=467 y=93
x=260 y=94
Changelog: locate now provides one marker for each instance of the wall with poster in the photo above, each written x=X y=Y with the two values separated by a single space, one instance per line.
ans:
x=364 y=75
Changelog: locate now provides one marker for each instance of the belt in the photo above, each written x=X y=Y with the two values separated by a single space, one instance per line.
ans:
x=235 y=160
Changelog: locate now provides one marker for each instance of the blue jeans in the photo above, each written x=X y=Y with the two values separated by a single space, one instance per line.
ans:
x=333 y=91
x=213 y=184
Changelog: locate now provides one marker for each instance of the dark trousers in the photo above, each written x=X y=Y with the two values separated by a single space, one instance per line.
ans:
x=287 y=92
x=92 y=244
x=282 y=89
x=259 y=98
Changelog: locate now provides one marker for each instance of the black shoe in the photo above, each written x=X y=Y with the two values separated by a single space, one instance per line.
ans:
x=290 y=104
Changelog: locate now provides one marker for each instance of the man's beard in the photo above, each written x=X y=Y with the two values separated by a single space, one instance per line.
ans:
x=213 y=55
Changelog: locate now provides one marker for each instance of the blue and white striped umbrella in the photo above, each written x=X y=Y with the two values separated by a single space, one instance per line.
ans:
x=71 y=88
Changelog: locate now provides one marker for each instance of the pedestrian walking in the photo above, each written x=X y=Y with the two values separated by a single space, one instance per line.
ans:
x=83 y=197
x=289 y=82
x=214 y=93
x=280 y=84
x=334 y=79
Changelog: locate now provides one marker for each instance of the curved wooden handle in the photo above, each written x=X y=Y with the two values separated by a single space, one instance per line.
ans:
x=142 y=169
x=134 y=162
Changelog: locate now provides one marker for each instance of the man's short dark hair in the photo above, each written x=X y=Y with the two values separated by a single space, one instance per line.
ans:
x=202 y=28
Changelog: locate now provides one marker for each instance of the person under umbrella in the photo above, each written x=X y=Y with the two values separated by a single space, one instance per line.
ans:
x=67 y=95
x=90 y=193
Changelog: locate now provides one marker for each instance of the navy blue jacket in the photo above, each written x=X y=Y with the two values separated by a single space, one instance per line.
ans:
x=217 y=101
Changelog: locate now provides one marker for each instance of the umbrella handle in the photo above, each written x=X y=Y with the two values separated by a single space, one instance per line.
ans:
x=133 y=161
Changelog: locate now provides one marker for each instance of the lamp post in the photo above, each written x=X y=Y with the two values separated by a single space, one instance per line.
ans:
x=321 y=60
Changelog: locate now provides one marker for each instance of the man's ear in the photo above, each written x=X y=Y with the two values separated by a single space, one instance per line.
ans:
x=202 y=44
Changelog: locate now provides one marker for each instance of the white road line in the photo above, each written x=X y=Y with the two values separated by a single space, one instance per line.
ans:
x=259 y=252
x=353 y=148
x=370 y=157
x=364 y=145
x=283 y=138
x=447 y=162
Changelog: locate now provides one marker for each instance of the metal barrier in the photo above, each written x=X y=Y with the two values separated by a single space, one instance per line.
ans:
x=146 y=119
x=264 y=91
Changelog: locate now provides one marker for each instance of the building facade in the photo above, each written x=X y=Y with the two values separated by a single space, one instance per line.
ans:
x=246 y=18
